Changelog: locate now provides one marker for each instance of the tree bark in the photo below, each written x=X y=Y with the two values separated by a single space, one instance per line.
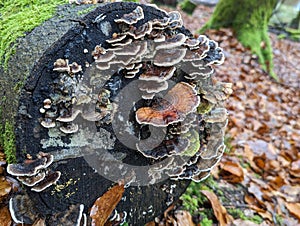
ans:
x=249 y=20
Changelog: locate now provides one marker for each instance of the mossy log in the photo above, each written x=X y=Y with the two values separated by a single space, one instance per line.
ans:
x=249 y=20
x=91 y=157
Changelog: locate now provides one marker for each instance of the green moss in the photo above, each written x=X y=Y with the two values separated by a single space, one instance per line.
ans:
x=1 y=129
x=279 y=220
x=227 y=142
x=187 y=6
x=293 y=34
x=85 y=11
x=193 y=199
x=239 y=214
x=20 y=16
x=206 y=222
x=249 y=20
x=9 y=147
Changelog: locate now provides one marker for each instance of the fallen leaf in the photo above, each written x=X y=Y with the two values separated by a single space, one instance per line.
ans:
x=5 y=187
x=183 y=218
x=232 y=172
x=294 y=209
x=105 y=204
x=255 y=190
x=5 y=218
x=220 y=212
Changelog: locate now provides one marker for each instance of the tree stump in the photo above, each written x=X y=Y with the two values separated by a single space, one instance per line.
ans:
x=78 y=88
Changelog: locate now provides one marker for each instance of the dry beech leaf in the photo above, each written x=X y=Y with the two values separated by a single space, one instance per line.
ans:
x=5 y=187
x=183 y=218
x=232 y=172
x=105 y=204
x=220 y=212
x=253 y=203
x=5 y=218
x=294 y=209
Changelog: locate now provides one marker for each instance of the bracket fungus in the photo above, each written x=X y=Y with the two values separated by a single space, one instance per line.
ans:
x=128 y=96
x=181 y=100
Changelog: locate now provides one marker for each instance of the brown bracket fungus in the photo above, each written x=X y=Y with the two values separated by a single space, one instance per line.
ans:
x=181 y=100
x=126 y=94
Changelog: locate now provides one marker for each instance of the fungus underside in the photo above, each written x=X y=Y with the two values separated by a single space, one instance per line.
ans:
x=20 y=16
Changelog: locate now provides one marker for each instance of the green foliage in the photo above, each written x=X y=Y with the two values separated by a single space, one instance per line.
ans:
x=85 y=11
x=227 y=142
x=279 y=220
x=193 y=199
x=20 y=16
x=206 y=222
x=8 y=138
x=187 y=6
x=239 y=214
x=1 y=128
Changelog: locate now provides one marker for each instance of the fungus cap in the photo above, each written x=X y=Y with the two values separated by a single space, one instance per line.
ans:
x=181 y=100
x=69 y=129
x=154 y=73
x=61 y=65
x=49 y=180
x=69 y=118
x=32 y=180
x=133 y=17
x=28 y=168
x=116 y=38
x=48 y=123
x=169 y=57
x=75 y=68
x=152 y=86
x=141 y=31
x=172 y=42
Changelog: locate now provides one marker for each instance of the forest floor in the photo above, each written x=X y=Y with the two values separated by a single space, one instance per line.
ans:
x=258 y=179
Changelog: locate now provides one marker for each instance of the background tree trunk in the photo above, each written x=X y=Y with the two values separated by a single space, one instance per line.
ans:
x=249 y=20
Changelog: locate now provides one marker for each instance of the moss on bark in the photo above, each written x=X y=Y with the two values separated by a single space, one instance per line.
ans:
x=21 y=16
x=249 y=20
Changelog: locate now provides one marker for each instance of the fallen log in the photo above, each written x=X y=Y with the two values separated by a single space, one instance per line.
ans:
x=121 y=94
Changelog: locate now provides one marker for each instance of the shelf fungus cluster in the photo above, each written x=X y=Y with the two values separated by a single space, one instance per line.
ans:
x=172 y=71
x=35 y=173
x=123 y=94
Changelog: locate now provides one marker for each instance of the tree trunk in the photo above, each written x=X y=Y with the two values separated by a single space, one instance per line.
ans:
x=249 y=20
